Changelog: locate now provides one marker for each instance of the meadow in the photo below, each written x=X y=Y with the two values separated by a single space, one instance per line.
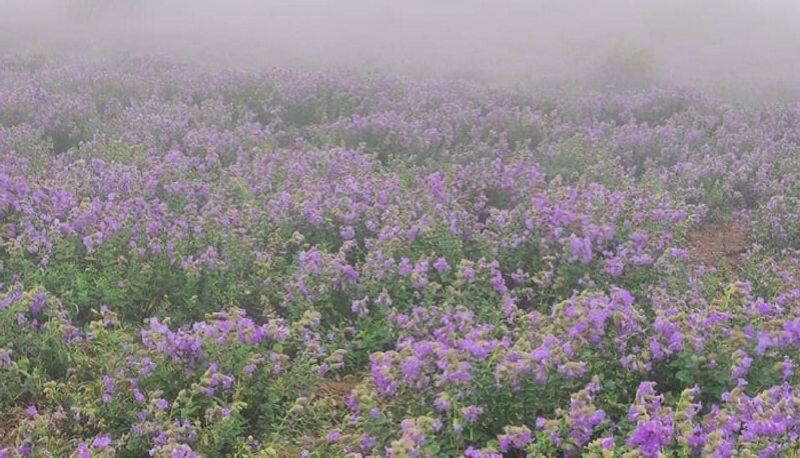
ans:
x=199 y=262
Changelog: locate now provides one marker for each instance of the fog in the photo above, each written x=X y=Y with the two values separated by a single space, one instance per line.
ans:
x=726 y=46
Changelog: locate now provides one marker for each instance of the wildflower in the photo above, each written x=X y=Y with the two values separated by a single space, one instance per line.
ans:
x=649 y=437
x=359 y=307
x=514 y=437
x=442 y=402
x=441 y=265
x=82 y=451
x=468 y=273
x=102 y=442
x=367 y=442
x=580 y=248
x=471 y=413
x=347 y=233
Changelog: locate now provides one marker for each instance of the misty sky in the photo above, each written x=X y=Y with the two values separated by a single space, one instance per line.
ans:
x=744 y=44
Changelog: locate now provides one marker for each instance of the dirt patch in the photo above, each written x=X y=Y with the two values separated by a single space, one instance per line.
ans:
x=714 y=243
x=335 y=388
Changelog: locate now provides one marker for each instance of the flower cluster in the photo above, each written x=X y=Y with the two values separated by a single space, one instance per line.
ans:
x=199 y=262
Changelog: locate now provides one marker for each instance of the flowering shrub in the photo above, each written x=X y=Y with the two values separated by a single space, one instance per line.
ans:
x=280 y=263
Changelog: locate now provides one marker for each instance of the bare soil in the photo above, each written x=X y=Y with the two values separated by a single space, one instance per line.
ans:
x=714 y=244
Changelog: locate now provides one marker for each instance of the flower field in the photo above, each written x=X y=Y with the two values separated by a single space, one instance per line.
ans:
x=199 y=262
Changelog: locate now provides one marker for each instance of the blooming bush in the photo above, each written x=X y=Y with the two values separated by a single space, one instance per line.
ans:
x=280 y=263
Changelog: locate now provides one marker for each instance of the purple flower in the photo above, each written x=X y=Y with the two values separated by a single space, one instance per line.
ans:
x=359 y=307
x=649 y=437
x=580 y=248
x=442 y=402
x=82 y=451
x=441 y=265
x=102 y=442
x=347 y=233
x=472 y=412
x=367 y=442
x=468 y=273
x=37 y=303
x=25 y=449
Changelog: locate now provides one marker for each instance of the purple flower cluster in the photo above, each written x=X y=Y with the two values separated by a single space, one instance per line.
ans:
x=222 y=262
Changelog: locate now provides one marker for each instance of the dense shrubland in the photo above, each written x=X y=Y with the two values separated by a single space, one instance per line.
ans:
x=278 y=263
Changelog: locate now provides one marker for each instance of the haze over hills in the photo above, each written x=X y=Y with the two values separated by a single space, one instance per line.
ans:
x=728 y=46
